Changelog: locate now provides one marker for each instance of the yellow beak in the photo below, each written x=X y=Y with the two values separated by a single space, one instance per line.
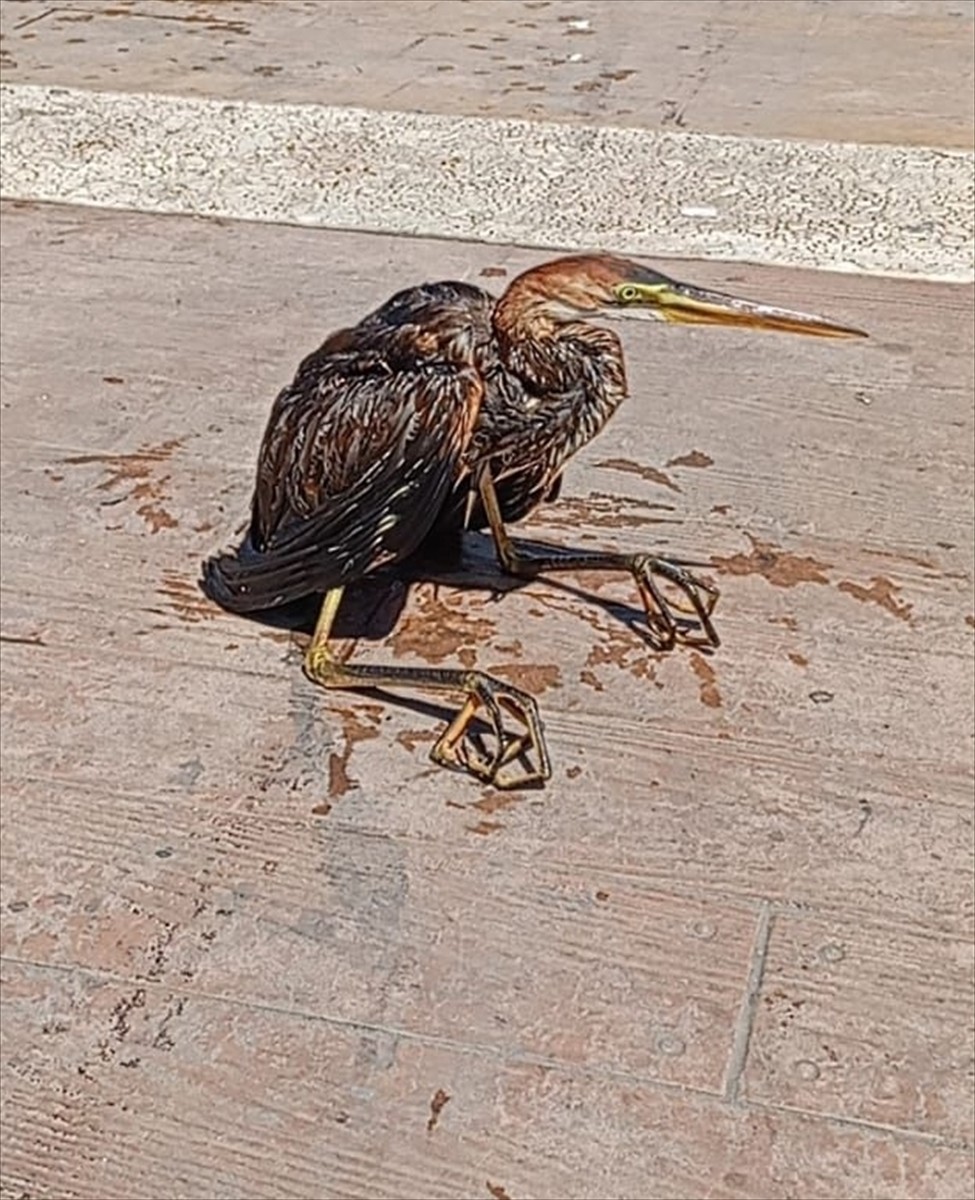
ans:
x=688 y=305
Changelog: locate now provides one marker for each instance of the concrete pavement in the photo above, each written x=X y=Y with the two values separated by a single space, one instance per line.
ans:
x=252 y=944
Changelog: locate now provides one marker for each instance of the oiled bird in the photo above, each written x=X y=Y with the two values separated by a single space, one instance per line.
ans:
x=447 y=409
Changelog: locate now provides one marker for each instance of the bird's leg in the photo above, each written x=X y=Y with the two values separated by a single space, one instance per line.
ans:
x=457 y=747
x=666 y=629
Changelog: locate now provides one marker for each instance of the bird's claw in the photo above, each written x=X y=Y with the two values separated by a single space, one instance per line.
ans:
x=666 y=629
x=459 y=749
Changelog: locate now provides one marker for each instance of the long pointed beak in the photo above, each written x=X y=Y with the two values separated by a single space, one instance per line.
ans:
x=688 y=305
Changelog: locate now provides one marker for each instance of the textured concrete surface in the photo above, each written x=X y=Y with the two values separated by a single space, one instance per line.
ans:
x=250 y=936
x=892 y=71
x=251 y=944
x=897 y=209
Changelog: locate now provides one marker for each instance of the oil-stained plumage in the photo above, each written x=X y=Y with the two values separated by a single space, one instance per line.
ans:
x=360 y=451
x=448 y=409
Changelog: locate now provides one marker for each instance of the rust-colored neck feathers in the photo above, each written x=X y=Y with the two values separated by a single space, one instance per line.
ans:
x=538 y=302
x=541 y=319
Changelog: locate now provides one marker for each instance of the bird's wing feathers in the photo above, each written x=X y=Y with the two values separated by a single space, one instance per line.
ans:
x=356 y=461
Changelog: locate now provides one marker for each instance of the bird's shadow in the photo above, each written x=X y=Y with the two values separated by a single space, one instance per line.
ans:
x=372 y=607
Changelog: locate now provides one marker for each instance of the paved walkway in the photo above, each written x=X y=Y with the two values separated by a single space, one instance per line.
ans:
x=252 y=944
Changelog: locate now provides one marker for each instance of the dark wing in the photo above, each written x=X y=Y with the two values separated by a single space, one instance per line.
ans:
x=357 y=459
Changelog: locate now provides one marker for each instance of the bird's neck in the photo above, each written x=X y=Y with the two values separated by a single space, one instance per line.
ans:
x=575 y=369
x=520 y=314
x=553 y=355
x=531 y=344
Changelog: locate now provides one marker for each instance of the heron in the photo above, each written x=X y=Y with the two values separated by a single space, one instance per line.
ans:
x=446 y=409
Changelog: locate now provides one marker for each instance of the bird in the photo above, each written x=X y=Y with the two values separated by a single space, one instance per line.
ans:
x=448 y=409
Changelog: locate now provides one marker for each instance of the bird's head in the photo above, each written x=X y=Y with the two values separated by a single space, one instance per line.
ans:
x=602 y=285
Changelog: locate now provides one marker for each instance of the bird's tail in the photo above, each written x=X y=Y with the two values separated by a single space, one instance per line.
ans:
x=246 y=581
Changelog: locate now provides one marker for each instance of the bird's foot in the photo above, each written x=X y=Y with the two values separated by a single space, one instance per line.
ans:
x=666 y=627
x=516 y=759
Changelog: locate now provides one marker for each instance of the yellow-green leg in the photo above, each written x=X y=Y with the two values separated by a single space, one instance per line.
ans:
x=457 y=747
x=664 y=627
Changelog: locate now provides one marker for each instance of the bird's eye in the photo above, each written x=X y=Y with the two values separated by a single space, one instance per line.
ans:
x=628 y=293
